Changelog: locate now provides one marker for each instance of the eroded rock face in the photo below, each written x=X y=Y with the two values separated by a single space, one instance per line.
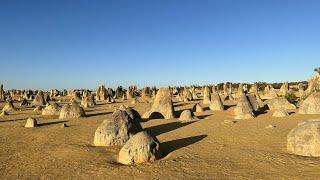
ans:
x=9 y=107
x=281 y=103
x=311 y=105
x=141 y=148
x=52 y=109
x=124 y=124
x=280 y=113
x=243 y=109
x=304 y=140
x=216 y=103
x=31 y=123
x=39 y=100
x=187 y=115
x=206 y=95
x=88 y=101
x=162 y=104
x=72 y=110
x=314 y=82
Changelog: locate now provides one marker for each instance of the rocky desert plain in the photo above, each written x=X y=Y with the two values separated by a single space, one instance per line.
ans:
x=225 y=131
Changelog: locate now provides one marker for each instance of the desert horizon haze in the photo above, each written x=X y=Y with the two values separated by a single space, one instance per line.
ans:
x=84 y=43
x=170 y=89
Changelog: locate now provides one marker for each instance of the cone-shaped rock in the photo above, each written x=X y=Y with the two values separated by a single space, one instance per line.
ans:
x=162 y=104
x=281 y=103
x=216 y=103
x=243 y=109
x=39 y=100
x=311 y=105
x=31 y=123
x=52 y=109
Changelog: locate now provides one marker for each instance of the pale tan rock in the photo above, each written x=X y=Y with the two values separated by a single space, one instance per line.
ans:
x=141 y=148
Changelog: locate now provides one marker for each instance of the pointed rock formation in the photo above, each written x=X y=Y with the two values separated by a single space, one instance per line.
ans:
x=31 y=123
x=243 y=109
x=311 y=105
x=162 y=104
x=206 y=95
x=39 y=100
x=52 y=109
x=216 y=103
x=281 y=103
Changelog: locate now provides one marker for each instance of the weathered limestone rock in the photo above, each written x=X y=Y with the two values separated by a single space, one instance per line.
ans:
x=243 y=109
x=187 y=115
x=88 y=101
x=31 y=123
x=311 y=105
x=141 y=148
x=162 y=104
x=72 y=110
x=52 y=109
x=206 y=95
x=101 y=93
x=39 y=100
x=280 y=113
x=124 y=124
x=281 y=103
x=9 y=107
x=216 y=103
x=304 y=140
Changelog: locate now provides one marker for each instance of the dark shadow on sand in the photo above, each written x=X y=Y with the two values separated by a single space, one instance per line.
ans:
x=170 y=146
x=51 y=123
x=98 y=114
x=164 y=128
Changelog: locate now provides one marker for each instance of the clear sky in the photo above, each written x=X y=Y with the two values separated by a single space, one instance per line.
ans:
x=82 y=43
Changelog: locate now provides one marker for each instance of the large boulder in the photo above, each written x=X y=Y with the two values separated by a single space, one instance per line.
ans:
x=187 y=115
x=9 y=107
x=216 y=103
x=52 y=109
x=311 y=105
x=124 y=124
x=88 y=101
x=39 y=100
x=139 y=149
x=206 y=95
x=162 y=104
x=304 y=140
x=243 y=109
x=281 y=103
x=72 y=110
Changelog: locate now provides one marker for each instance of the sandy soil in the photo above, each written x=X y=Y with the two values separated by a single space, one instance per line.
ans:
x=205 y=149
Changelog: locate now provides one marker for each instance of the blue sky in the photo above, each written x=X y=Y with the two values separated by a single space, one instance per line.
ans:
x=83 y=43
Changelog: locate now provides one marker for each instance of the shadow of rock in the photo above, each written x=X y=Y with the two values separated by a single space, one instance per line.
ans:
x=170 y=146
x=98 y=114
x=262 y=110
x=51 y=123
x=204 y=116
x=164 y=128
x=227 y=107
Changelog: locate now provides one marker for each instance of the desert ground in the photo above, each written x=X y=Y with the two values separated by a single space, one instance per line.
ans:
x=213 y=147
